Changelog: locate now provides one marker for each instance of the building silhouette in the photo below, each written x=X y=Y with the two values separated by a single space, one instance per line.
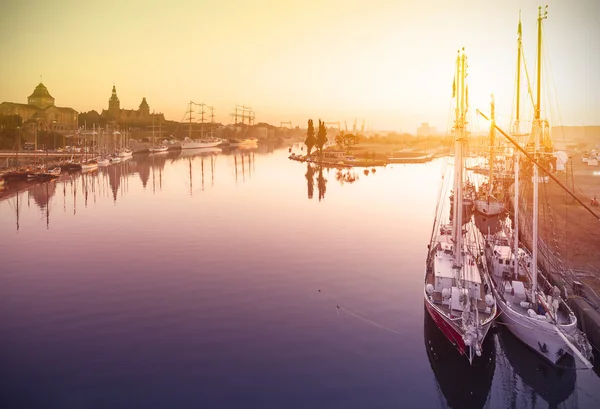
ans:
x=129 y=118
x=40 y=111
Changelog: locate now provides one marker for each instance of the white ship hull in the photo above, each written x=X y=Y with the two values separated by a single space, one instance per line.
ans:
x=158 y=149
x=124 y=153
x=198 y=144
x=490 y=208
x=89 y=166
x=541 y=336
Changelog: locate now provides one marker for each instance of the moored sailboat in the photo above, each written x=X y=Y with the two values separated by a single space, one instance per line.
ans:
x=531 y=307
x=456 y=290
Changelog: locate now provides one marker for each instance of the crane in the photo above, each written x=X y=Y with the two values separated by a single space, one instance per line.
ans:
x=285 y=123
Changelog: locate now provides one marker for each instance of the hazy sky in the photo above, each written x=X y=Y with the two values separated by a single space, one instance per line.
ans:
x=389 y=62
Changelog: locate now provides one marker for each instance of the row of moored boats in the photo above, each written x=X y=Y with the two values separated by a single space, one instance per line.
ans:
x=474 y=280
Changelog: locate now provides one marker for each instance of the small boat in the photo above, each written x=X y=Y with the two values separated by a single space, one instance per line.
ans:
x=114 y=159
x=89 y=165
x=104 y=162
x=157 y=149
x=125 y=152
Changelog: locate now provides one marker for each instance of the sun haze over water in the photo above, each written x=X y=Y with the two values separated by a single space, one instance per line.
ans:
x=389 y=62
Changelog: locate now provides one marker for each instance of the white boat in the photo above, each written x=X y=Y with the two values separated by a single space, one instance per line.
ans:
x=91 y=164
x=124 y=152
x=156 y=149
x=203 y=142
x=456 y=289
x=188 y=143
x=114 y=159
x=532 y=309
x=104 y=162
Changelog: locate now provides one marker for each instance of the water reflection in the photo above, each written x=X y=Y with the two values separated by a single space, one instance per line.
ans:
x=243 y=158
x=113 y=181
x=527 y=377
x=314 y=173
x=461 y=385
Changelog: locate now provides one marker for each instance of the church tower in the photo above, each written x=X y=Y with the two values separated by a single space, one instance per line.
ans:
x=144 y=108
x=114 y=106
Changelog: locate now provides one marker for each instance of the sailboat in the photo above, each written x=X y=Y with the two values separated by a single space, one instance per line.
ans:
x=91 y=163
x=486 y=203
x=243 y=140
x=456 y=290
x=189 y=143
x=159 y=148
x=124 y=151
x=531 y=307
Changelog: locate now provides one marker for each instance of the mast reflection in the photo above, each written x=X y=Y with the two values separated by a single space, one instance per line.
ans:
x=112 y=181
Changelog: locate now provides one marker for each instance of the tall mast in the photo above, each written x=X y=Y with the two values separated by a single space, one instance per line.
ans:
x=519 y=52
x=492 y=141
x=153 y=141
x=516 y=212
x=537 y=128
x=202 y=120
x=212 y=120
x=457 y=115
x=539 y=60
x=190 y=128
x=458 y=181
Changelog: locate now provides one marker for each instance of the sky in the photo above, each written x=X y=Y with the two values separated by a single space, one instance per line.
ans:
x=389 y=63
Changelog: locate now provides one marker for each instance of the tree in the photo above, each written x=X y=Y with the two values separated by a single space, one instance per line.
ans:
x=310 y=141
x=346 y=140
x=321 y=136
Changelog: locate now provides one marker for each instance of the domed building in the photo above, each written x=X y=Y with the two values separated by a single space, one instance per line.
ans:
x=40 y=111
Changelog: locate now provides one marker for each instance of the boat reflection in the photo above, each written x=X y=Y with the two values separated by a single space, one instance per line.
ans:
x=527 y=376
x=462 y=385
x=110 y=181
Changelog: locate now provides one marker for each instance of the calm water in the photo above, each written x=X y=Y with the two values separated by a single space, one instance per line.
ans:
x=193 y=281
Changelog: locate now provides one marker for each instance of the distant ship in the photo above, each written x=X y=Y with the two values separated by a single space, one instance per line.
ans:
x=203 y=142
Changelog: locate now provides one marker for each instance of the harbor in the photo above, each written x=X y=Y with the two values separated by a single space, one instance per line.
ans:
x=300 y=205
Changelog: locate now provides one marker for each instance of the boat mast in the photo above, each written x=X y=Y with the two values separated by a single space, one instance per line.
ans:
x=202 y=120
x=516 y=213
x=190 y=129
x=536 y=134
x=492 y=141
x=212 y=121
x=519 y=52
x=458 y=181
x=153 y=141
